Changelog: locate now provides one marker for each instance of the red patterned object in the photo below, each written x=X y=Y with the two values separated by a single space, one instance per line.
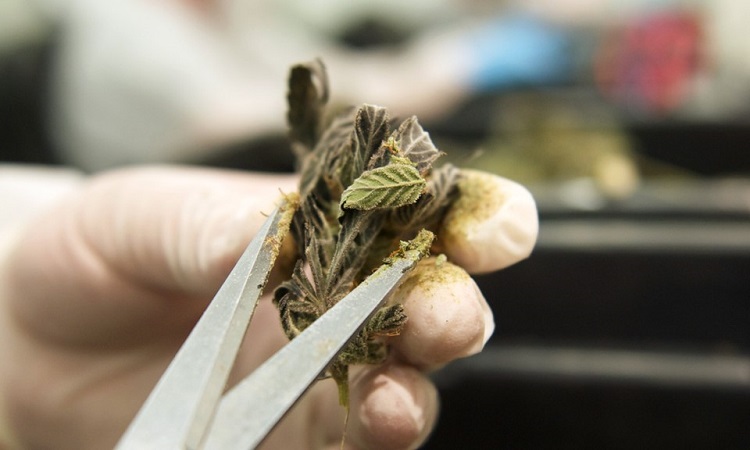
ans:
x=648 y=64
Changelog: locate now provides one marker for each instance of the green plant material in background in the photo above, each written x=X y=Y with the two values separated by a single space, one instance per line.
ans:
x=365 y=189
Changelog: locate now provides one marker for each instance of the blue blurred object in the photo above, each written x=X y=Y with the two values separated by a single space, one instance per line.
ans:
x=519 y=50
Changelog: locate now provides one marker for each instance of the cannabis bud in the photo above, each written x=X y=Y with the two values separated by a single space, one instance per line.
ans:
x=367 y=184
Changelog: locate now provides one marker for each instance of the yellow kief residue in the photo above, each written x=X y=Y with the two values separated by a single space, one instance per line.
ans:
x=479 y=198
x=288 y=207
x=432 y=273
x=281 y=244
x=291 y=203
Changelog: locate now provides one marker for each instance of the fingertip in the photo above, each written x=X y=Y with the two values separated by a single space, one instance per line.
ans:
x=393 y=407
x=448 y=317
x=492 y=225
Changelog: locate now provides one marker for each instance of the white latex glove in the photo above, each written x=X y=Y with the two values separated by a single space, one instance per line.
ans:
x=99 y=289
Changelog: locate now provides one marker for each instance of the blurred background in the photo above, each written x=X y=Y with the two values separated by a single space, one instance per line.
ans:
x=629 y=120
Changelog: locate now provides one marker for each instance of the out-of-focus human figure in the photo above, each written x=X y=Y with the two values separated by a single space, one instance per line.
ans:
x=138 y=81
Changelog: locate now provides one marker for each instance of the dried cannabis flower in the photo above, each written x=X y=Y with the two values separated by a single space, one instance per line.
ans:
x=364 y=189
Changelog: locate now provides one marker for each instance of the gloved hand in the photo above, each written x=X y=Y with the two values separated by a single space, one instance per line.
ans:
x=517 y=50
x=98 y=291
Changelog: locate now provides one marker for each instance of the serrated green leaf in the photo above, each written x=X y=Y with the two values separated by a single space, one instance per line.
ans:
x=384 y=187
x=428 y=211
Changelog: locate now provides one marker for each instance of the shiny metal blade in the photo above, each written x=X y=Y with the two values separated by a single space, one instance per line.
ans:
x=181 y=406
x=249 y=411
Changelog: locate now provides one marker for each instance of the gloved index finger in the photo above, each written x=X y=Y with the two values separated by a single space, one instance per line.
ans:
x=118 y=257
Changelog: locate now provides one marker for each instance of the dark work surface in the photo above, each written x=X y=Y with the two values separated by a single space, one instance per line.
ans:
x=706 y=148
x=500 y=413
x=672 y=299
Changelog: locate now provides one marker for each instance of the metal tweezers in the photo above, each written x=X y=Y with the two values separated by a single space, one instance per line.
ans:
x=186 y=409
